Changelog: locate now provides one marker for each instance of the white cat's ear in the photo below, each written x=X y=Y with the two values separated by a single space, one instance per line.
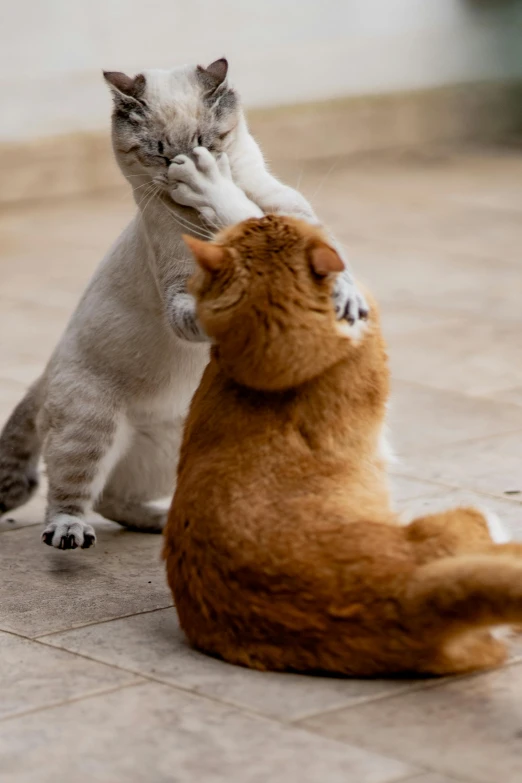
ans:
x=209 y=256
x=324 y=259
x=124 y=87
x=214 y=74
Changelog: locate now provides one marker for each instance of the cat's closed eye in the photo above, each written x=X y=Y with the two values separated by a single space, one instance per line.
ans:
x=160 y=147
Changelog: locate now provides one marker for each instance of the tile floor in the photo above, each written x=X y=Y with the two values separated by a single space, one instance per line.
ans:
x=96 y=681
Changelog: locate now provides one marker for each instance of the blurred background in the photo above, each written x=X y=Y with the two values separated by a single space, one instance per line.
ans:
x=409 y=71
x=401 y=121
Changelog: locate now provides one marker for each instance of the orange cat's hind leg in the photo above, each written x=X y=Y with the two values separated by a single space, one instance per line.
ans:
x=467 y=653
x=456 y=531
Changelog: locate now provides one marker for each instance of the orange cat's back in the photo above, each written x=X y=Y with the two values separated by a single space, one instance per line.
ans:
x=282 y=549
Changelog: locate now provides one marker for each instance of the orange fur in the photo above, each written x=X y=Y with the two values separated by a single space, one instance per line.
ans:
x=282 y=549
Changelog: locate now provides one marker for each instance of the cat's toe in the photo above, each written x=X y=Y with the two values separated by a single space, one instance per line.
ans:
x=182 y=169
x=89 y=537
x=205 y=161
x=223 y=164
x=47 y=537
x=350 y=304
x=69 y=533
x=363 y=307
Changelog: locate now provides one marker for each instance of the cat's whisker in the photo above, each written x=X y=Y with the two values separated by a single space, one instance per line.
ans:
x=145 y=194
x=187 y=224
x=193 y=226
x=213 y=224
x=152 y=197
x=319 y=187
x=140 y=186
x=183 y=221
x=148 y=197
x=191 y=223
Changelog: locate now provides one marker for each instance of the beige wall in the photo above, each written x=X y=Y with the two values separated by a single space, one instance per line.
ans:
x=280 y=51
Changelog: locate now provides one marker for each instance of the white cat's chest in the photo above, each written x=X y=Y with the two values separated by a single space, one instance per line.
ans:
x=172 y=399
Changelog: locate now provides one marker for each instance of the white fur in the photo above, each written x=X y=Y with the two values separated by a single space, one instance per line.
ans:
x=120 y=444
x=134 y=342
x=496 y=528
x=355 y=331
x=161 y=504
x=65 y=525
x=206 y=185
x=386 y=450
x=500 y=535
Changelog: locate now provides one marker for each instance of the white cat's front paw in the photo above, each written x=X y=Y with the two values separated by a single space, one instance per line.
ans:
x=195 y=179
x=68 y=532
x=200 y=181
x=349 y=302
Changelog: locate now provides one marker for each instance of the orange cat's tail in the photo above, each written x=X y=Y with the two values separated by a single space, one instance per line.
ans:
x=457 y=594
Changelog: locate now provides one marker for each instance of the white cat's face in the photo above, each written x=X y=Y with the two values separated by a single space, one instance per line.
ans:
x=160 y=114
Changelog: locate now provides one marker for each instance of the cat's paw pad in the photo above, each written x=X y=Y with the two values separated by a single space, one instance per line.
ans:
x=68 y=532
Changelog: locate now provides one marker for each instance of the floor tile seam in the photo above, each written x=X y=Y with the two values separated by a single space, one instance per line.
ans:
x=74 y=700
x=454 y=392
x=461 y=442
x=40 y=636
x=143 y=679
x=194 y=690
x=175 y=685
x=428 y=685
x=421 y=767
x=443 y=485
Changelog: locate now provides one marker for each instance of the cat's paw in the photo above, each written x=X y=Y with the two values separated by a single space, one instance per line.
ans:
x=349 y=302
x=195 y=180
x=205 y=183
x=68 y=532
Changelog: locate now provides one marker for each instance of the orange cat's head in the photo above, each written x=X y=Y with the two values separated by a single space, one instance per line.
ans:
x=264 y=294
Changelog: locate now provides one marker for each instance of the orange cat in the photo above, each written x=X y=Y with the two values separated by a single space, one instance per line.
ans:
x=282 y=549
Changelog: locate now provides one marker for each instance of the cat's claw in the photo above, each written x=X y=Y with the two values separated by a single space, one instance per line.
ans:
x=349 y=302
x=68 y=532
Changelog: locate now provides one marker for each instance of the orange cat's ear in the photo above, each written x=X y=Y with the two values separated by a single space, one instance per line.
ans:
x=209 y=256
x=324 y=259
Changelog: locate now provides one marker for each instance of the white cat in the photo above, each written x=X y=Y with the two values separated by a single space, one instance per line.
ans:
x=108 y=411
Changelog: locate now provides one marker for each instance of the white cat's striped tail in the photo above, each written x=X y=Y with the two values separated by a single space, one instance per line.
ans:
x=20 y=447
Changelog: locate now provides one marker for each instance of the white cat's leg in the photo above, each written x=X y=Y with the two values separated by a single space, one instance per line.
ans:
x=250 y=173
x=80 y=454
x=198 y=181
x=139 y=491
x=181 y=313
